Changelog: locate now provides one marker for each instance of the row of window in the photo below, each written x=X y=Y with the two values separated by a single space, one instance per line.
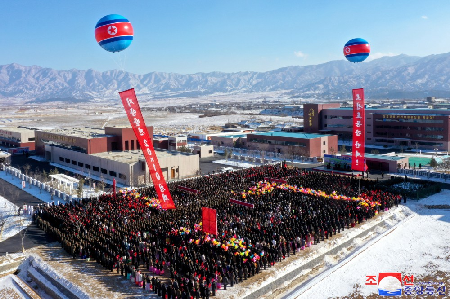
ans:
x=94 y=168
x=410 y=121
x=418 y=135
x=275 y=142
x=337 y=126
x=420 y=143
x=338 y=117
x=410 y=128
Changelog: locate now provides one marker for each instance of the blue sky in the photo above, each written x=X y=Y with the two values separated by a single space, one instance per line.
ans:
x=229 y=36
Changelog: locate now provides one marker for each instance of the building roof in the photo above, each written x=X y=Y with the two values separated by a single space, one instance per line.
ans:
x=17 y=129
x=299 y=135
x=65 y=178
x=81 y=132
x=133 y=156
x=383 y=156
x=399 y=111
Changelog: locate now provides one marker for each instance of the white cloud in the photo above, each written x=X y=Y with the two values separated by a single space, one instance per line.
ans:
x=300 y=54
x=376 y=55
x=424 y=17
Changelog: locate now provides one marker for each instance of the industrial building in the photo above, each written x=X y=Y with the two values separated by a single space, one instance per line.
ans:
x=294 y=143
x=402 y=128
x=110 y=153
x=17 y=137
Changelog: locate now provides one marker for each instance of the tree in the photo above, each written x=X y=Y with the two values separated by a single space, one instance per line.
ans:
x=433 y=163
x=26 y=169
x=80 y=188
x=184 y=149
x=239 y=143
x=332 y=151
x=291 y=150
x=445 y=165
x=228 y=153
x=343 y=149
x=44 y=176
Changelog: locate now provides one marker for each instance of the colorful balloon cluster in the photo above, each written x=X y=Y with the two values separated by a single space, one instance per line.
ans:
x=264 y=187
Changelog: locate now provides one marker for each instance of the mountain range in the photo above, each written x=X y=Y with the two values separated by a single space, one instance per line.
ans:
x=393 y=77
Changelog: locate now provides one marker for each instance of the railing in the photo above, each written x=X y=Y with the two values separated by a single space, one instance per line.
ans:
x=424 y=173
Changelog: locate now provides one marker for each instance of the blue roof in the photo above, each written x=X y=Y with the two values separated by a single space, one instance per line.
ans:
x=299 y=135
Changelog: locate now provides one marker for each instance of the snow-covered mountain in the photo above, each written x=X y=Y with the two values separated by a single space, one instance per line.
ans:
x=400 y=76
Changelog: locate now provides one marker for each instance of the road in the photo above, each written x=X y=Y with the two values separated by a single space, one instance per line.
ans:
x=34 y=236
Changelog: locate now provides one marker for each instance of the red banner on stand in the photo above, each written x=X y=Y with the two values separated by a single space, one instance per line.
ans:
x=209 y=220
x=275 y=180
x=242 y=203
x=131 y=105
x=188 y=189
x=359 y=130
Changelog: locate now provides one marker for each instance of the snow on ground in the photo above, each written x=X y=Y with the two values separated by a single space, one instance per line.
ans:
x=33 y=262
x=419 y=246
x=303 y=258
x=10 y=290
x=30 y=189
x=14 y=223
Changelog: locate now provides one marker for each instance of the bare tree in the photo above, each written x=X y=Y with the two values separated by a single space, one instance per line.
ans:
x=291 y=150
x=80 y=188
x=332 y=151
x=26 y=169
x=343 y=149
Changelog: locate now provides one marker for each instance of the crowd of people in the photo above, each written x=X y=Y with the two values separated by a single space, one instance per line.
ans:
x=166 y=251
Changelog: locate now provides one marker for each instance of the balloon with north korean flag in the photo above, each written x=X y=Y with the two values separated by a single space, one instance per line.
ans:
x=357 y=50
x=114 y=33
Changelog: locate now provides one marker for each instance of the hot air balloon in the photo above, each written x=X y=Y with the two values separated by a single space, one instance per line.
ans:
x=114 y=33
x=356 y=50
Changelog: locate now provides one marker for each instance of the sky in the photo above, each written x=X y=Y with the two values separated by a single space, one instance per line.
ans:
x=187 y=37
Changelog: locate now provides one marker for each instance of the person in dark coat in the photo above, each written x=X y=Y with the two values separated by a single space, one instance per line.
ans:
x=225 y=281
x=213 y=288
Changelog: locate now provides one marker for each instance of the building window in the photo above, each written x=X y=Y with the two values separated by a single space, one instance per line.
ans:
x=104 y=171
x=95 y=169
x=80 y=164
x=324 y=143
x=210 y=151
x=112 y=173
x=323 y=151
x=121 y=176
x=61 y=159
x=74 y=162
x=67 y=160
x=87 y=166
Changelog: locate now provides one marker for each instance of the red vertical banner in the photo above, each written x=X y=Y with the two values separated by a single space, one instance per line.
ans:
x=131 y=105
x=114 y=188
x=359 y=130
x=209 y=220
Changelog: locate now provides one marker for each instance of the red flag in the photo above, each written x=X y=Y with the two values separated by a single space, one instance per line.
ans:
x=209 y=220
x=131 y=105
x=359 y=130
